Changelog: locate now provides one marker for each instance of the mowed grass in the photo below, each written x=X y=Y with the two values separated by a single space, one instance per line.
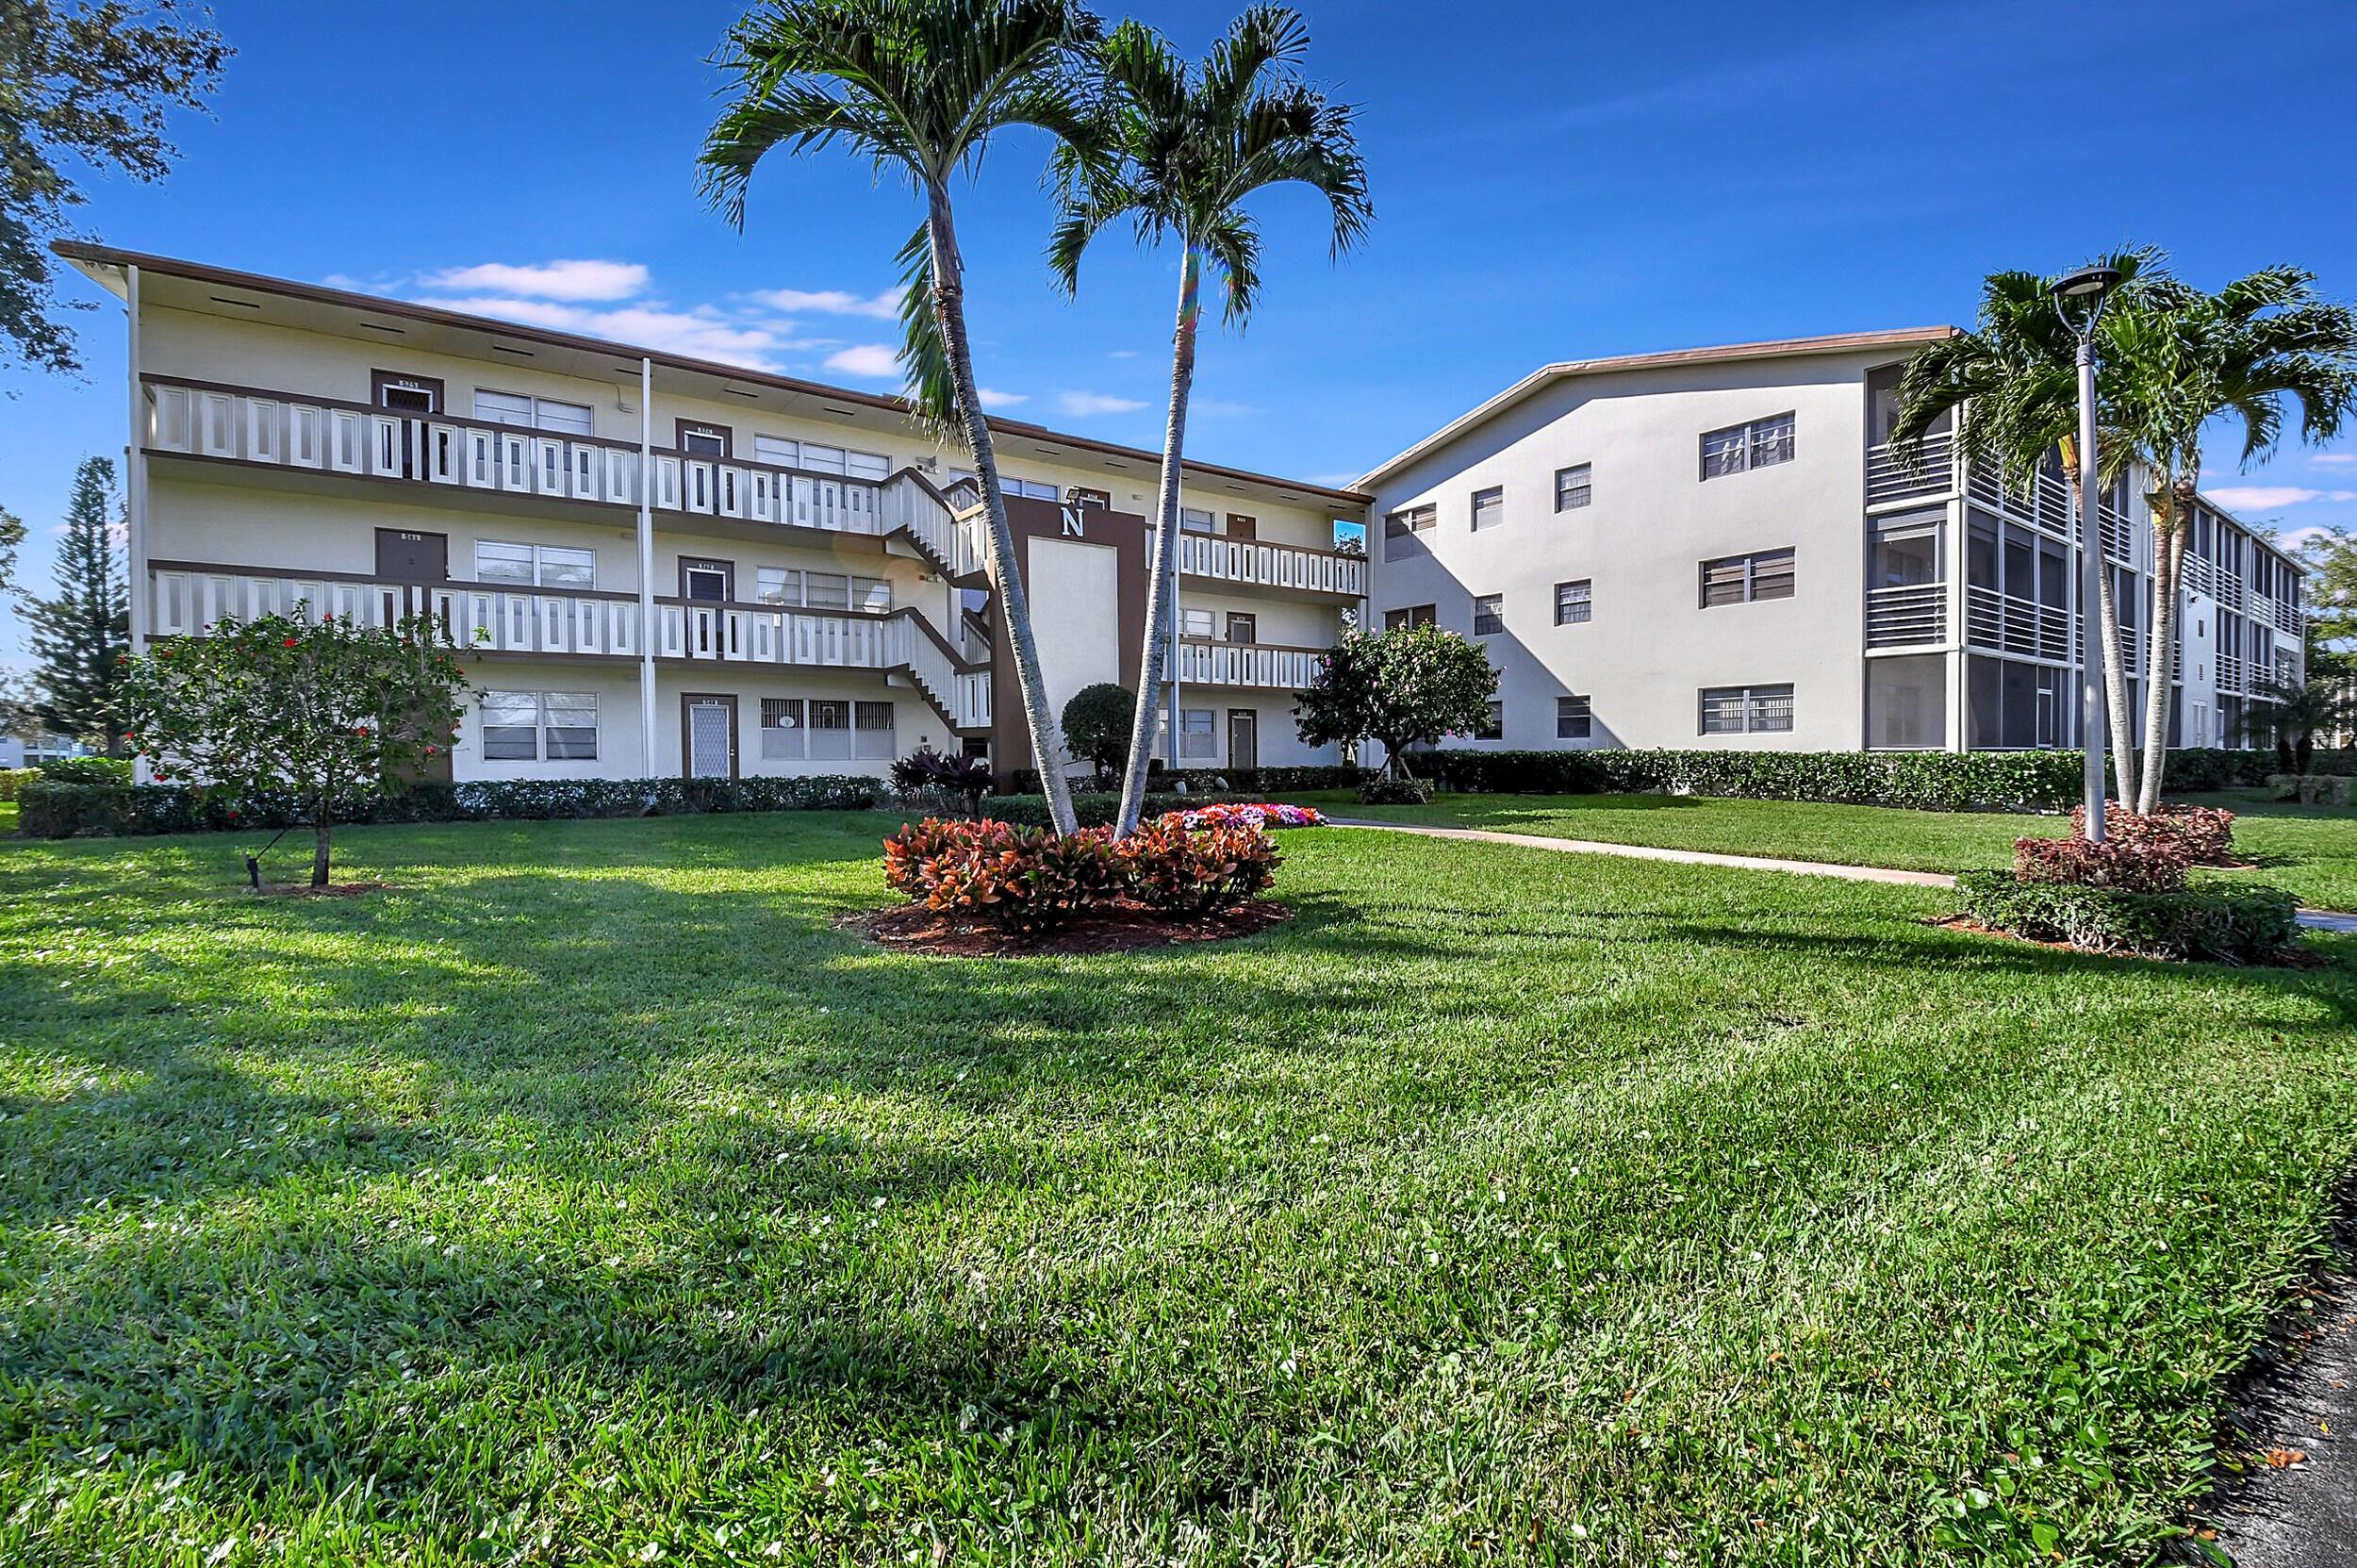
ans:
x=592 y=1198
x=2312 y=851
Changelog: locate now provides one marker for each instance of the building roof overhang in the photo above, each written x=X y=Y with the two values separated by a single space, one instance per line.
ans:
x=345 y=313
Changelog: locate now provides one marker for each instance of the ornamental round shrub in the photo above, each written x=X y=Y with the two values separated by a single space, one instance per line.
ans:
x=2129 y=864
x=2205 y=834
x=1174 y=869
x=1030 y=880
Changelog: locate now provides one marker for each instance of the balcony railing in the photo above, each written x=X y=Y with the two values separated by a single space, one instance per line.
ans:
x=1231 y=663
x=1901 y=616
x=2046 y=507
x=189 y=602
x=1888 y=478
x=281 y=430
x=2011 y=625
x=2231 y=674
x=1276 y=566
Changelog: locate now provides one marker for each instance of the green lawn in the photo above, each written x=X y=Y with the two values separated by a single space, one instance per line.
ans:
x=593 y=1197
x=2312 y=851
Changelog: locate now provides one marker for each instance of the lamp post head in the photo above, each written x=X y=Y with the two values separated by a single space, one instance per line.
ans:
x=2084 y=292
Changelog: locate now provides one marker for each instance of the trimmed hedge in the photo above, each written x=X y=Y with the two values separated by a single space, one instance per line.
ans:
x=63 y=811
x=1924 y=780
x=14 y=779
x=1024 y=781
x=2241 y=926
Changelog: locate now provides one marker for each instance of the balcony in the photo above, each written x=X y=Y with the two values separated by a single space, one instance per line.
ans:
x=1902 y=617
x=281 y=431
x=2010 y=626
x=477 y=617
x=1888 y=478
x=1244 y=664
x=1253 y=565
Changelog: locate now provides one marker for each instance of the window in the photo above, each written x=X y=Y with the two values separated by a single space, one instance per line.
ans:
x=544 y=563
x=782 y=728
x=1489 y=508
x=827 y=590
x=1906 y=549
x=1906 y=703
x=1197 y=736
x=1571 y=603
x=518 y=725
x=1746 y=710
x=1243 y=628
x=1488 y=615
x=1194 y=520
x=778 y=452
x=871 y=732
x=777 y=586
x=872 y=595
x=1415 y=614
x=830 y=731
x=1032 y=487
x=702 y=441
x=1572 y=718
x=866 y=464
x=1571 y=486
x=573 y=419
x=1493 y=725
x=1081 y=495
x=1400 y=529
x=1195 y=623
x=1740 y=579
x=1747 y=446
x=823 y=459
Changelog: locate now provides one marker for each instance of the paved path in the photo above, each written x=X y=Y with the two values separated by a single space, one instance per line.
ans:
x=2320 y=920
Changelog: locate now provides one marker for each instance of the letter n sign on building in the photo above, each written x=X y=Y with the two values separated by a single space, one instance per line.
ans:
x=1072 y=523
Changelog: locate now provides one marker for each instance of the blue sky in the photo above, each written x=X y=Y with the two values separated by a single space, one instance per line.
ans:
x=1550 y=183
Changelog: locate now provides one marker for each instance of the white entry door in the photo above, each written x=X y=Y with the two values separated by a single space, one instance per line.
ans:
x=711 y=736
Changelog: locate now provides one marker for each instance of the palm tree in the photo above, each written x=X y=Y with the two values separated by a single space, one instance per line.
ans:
x=2013 y=387
x=2186 y=358
x=2294 y=713
x=1189 y=145
x=919 y=87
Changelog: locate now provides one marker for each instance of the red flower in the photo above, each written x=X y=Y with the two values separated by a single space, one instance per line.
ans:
x=288 y=643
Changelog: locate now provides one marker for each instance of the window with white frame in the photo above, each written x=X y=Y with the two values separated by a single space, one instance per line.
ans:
x=784 y=453
x=830 y=729
x=1493 y=725
x=1571 y=486
x=1195 y=519
x=1410 y=617
x=872 y=732
x=821 y=591
x=1571 y=603
x=539 y=726
x=1488 y=615
x=1740 y=579
x=1197 y=736
x=1572 y=721
x=547 y=566
x=782 y=728
x=573 y=419
x=1195 y=623
x=1488 y=507
x=1742 y=447
x=1746 y=710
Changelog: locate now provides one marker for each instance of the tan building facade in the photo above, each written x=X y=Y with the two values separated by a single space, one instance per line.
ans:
x=661 y=566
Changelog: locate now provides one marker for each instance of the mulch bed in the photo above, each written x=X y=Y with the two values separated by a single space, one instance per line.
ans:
x=1124 y=927
x=332 y=890
x=2293 y=957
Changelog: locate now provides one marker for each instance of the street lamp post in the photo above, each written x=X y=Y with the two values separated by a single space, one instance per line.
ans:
x=2080 y=297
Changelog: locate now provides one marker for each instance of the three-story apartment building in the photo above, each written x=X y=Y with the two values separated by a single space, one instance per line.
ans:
x=1718 y=547
x=666 y=565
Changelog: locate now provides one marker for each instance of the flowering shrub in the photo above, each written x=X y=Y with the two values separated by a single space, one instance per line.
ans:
x=1264 y=815
x=2127 y=864
x=1176 y=869
x=2205 y=833
x=1023 y=879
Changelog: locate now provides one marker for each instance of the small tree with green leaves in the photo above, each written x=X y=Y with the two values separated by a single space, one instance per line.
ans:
x=1408 y=687
x=319 y=710
x=1097 y=724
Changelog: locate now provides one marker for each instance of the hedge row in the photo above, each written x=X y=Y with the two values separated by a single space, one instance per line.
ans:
x=2243 y=926
x=1925 y=780
x=14 y=779
x=61 y=811
x=1024 y=781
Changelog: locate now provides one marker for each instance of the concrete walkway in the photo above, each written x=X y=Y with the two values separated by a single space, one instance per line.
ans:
x=2318 y=919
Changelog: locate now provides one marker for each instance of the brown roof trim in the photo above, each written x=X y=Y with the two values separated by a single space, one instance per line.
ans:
x=1784 y=348
x=107 y=255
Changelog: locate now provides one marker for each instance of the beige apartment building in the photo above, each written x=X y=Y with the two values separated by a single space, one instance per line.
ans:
x=662 y=565
x=1718 y=547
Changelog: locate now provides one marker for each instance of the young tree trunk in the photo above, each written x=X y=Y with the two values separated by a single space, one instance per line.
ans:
x=950 y=306
x=324 y=825
x=2160 y=660
x=1165 y=564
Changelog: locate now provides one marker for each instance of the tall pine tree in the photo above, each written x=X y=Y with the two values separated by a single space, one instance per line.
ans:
x=81 y=635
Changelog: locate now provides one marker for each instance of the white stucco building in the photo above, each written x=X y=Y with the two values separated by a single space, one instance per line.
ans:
x=663 y=566
x=1714 y=547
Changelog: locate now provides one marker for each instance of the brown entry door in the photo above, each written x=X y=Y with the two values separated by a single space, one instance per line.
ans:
x=1244 y=739
x=407 y=556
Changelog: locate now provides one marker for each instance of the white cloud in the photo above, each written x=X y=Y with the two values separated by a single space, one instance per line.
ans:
x=703 y=333
x=549 y=280
x=993 y=398
x=2335 y=459
x=2262 y=498
x=832 y=302
x=1214 y=409
x=1085 y=404
x=864 y=359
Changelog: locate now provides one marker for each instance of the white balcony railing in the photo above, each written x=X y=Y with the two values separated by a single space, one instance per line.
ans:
x=1901 y=616
x=1275 y=566
x=1888 y=478
x=1224 y=663
x=2011 y=625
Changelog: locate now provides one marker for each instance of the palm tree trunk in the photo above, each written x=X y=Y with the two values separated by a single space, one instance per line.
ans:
x=2114 y=669
x=2160 y=659
x=1165 y=565
x=949 y=306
